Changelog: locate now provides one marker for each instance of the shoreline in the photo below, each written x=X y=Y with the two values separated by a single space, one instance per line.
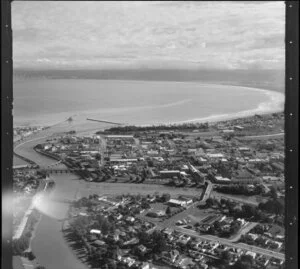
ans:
x=274 y=103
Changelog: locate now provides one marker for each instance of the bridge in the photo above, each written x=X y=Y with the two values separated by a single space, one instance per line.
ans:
x=59 y=171
x=30 y=162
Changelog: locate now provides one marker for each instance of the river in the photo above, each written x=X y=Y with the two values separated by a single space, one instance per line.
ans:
x=49 y=245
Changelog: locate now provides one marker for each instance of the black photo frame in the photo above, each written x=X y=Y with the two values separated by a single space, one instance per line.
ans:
x=291 y=131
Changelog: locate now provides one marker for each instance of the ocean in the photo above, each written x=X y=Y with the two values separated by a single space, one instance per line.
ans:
x=44 y=101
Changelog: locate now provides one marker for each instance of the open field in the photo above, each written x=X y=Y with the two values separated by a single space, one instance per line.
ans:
x=253 y=200
x=87 y=188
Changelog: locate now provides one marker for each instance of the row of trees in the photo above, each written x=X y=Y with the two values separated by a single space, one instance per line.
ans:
x=240 y=189
x=132 y=128
x=217 y=229
x=274 y=206
x=260 y=213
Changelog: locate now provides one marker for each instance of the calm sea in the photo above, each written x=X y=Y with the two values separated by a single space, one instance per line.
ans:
x=48 y=101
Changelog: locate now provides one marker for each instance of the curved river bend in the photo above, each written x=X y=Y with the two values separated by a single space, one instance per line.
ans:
x=49 y=245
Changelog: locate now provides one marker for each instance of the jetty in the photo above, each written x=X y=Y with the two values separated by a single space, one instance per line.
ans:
x=104 y=121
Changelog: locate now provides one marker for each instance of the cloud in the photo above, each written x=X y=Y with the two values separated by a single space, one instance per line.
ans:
x=194 y=34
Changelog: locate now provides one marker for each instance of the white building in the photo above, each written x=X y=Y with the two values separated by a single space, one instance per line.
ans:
x=95 y=231
x=180 y=202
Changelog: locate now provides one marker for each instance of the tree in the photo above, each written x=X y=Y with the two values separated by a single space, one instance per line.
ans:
x=112 y=264
x=168 y=210
x=225 y=257
x=248 y=211
x=98 y=157
x=259 y=229
x=273 y=192
x=217 y=225
x=158 y=241
x=105 y=227
x=209 y=202
x=245 y=262
x=145 y=205
x=165 y=197
x=260 y=241
x=30 y=256
x=144 y=238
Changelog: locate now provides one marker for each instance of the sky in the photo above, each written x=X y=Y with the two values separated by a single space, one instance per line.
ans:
x=138 y=34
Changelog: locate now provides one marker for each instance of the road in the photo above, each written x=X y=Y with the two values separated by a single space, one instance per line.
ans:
x=248 y=227
x=208 y=191
x=224 y=241
x=262 y=136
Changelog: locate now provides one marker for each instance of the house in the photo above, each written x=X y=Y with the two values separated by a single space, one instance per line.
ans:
x=204 y=228
x=238 y=128
x=129 y=261
x=215 y=155
x=184 y=239
x=244 y=149
x=228 y=131
x=252 y=254
x=242 y=221
x=132 y=241
x=130 y=219
x=142 y=249
x=159 y=159
x=99 y=243
x=47 y=146
x=279 y=237
x=95 y=231
x=222 y=180
x=152 y=152
x=202 y=160
x=180 y=202
x=170 y=257
x=145 y=265
x=184 y=263
x=169 y=173
x=119 y=137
